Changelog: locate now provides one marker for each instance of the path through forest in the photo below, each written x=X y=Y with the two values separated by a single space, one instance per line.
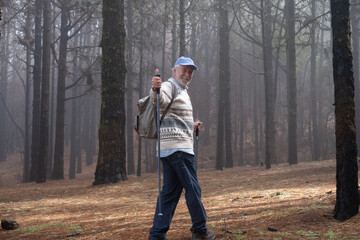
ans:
x=285 y=202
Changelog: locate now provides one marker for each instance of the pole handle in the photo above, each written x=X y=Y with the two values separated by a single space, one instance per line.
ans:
x=158 y=89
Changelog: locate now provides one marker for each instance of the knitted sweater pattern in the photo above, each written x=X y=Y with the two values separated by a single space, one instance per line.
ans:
x=176 y=130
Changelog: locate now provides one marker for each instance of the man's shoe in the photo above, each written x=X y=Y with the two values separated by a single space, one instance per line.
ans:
x=209 y=235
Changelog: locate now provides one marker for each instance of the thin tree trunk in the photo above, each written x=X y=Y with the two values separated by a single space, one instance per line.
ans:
x=27 y=146
x=138 y=173
x=58 y=170
x=52 y=112
x=129 y=90
x=269 y=82
x=74 y=117
x=173 y=34
x=35 y=143
x=182 y=28
x=313 y=90
x=45 y=86
x=291 y=88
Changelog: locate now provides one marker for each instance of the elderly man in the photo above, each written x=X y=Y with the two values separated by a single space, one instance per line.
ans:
x=177 y=154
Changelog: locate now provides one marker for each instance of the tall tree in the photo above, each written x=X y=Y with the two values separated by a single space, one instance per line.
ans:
x=27 y=127
x=182 y=28
x=129 y=89
x=355 y=37
x=111 y=165
x=35 y=142
x=4 y=53
x=313 y=88
x=140 y=86
x=58 y=169
x=173 y=33
x=224 y=118
x=291 y=86
x=269 y=83
x=45 y=87
x=347 y=195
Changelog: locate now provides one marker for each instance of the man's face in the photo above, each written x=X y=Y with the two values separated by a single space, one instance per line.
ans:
x=184 y=74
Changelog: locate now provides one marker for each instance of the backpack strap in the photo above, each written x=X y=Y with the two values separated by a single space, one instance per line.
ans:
x=173 y=96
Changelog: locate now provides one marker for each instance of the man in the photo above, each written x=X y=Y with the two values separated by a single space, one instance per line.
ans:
x=176 y=153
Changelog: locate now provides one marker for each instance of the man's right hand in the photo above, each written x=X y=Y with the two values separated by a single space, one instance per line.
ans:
x=156 y=81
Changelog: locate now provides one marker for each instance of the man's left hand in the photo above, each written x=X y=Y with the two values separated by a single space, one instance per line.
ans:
x=197 y=125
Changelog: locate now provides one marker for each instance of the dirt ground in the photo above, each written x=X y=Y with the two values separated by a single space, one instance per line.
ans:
x=285 y=202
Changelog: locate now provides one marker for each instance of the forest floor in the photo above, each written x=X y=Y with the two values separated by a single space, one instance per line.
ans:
x=285 y=202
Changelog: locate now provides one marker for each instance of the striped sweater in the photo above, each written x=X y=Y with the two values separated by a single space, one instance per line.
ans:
x=176 y=130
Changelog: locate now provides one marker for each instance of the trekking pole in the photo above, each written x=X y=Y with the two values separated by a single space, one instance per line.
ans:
x=196 y=146
x=158 y=138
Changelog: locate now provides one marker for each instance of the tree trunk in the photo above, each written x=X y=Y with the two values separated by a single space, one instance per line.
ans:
x=182 y=28
x=52 y=111
x=45 y=86
x=355 y=46
x=241 y=111
x=35 y=142
x=4 y=53
x=269 y=84
x=129 y=90
x=222 y=23
x=141 y=52
x=225 y=67
x=74 y=117
x=173 y=34
x=111 y=165
x=291 y=88
x=347 y=195
x=27 y=147
x=58 y=170
x=313 y=90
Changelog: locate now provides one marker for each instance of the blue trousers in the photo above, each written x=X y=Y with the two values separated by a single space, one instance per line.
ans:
x=179 y=174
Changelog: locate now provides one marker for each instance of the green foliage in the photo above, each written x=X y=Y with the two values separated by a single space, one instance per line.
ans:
x=38 y=228
x=276 y=194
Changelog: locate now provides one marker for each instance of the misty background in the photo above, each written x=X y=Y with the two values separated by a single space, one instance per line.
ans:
x=259 y=92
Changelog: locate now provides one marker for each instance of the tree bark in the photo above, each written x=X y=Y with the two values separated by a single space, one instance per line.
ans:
x=35 y=142
x=291 y=88
x=129 y=91
x=27 y=125
x=355 y=46
x=58 y=170
x=347 y=195
x=111 y=165
x=182 y=28
x=269 y=84
x=313 y=90
x=173 y=34
x=45 y=87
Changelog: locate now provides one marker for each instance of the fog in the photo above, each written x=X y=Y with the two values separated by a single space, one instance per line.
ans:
x=259 y=91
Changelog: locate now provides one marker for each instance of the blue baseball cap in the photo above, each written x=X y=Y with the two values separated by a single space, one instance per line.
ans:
x=185 y=61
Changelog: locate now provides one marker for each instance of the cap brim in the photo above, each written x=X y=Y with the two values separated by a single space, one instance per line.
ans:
x=194 y=66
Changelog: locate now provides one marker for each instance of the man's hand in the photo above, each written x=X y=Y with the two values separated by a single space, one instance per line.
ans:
x=156 y=81
x=197 y=125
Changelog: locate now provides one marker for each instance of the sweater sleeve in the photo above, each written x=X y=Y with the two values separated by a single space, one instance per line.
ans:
x=165 y=94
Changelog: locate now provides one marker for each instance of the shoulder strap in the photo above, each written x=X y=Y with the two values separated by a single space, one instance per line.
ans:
x=173 y=96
